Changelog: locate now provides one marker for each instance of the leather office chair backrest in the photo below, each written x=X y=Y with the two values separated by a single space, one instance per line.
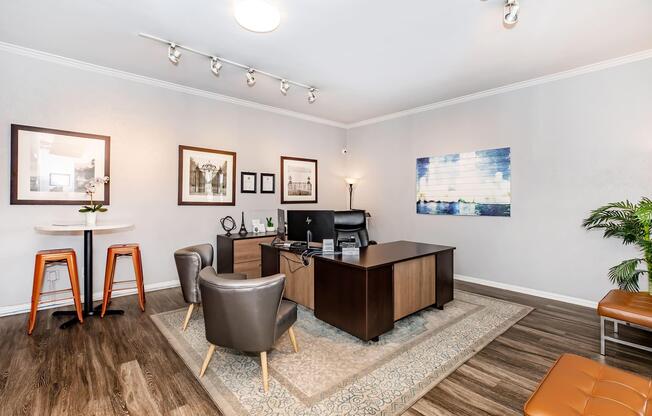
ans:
x=190 y=261
x=241 y=313
x=352 y=225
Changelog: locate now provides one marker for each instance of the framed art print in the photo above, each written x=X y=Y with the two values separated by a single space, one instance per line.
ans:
x=53 y=167
x=206 y=176
x=267 y=183
x=248 y=182
x=472 y=183
x=298 y=180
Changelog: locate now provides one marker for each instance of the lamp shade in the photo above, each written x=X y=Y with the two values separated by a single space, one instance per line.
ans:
x=351 y=181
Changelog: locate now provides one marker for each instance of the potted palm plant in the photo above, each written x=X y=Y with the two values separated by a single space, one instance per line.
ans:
x=92 y=209
x=632 y=224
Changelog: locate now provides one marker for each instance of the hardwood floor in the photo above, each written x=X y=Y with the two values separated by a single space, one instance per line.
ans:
x=124 y=366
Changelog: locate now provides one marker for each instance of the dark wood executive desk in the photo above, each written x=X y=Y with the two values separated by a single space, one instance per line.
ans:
x=364 y=295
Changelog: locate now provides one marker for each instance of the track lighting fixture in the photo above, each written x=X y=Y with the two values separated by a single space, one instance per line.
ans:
x=251 y=80
x=285 y=86
x=312 y=97
x=510 y=15
x=216 y=65
x=173 y=54
x=217 y=62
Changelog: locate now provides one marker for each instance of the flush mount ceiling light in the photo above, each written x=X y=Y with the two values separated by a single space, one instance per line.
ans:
x=216 y=65
x=510 y=12
x=173 y=54
x=217 y=62
x=257 y=15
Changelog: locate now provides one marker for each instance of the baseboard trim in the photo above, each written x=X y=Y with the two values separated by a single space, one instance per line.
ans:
x=528 y=291
x=25 y=307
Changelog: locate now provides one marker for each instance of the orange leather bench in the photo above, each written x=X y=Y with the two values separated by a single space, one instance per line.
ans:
x=576 y=386
x=631 y=308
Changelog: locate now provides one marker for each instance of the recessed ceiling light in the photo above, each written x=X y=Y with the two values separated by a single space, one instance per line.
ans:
x=257 y=15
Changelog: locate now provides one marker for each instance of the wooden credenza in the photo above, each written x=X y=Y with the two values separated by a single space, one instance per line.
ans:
x=241 y=254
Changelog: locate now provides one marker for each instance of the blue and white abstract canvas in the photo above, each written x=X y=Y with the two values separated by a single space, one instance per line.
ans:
x=473 y=183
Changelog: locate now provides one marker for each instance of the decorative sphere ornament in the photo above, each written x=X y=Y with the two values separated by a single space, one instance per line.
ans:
x=228 y=223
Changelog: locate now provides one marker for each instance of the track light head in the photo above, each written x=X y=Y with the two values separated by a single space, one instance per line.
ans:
x=216 y=65
x=173 y=53
x=251 y=80
x=510 y=13
x=312 y=97
x=285 y=86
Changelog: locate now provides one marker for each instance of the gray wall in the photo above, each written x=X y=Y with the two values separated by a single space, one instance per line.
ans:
x=146 y=125
x=576 y=144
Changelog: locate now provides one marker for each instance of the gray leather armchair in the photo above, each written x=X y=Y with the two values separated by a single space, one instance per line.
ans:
x=190 y=261
x=245 y=314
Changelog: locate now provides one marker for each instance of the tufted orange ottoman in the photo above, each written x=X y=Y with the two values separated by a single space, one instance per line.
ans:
x=576 y=386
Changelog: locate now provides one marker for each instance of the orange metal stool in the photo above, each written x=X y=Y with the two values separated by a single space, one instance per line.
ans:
x=112 y=254
x=44 y=257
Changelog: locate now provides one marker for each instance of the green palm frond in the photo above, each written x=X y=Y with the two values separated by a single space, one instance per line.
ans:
x=644 y=212
x=631 y=223
x=626 y=274
x=619 y=219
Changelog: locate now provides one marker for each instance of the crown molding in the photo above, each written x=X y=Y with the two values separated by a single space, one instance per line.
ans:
x=599 y=66
x=115 y=73
x=85 y=66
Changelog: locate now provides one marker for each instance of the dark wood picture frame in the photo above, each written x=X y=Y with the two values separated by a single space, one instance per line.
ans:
x=316 y=180
x=15 y=136
x=273 y=176
x=242 y=175
x=180 y=200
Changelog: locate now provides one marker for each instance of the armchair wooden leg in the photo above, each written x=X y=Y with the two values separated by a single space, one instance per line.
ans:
x=263 y=365
x=207 y=360
x=188 y=315
x=293 y=340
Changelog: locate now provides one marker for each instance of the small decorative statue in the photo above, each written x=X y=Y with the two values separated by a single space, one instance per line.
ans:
x=228 y=224
x=243 y=229
x=92 y=209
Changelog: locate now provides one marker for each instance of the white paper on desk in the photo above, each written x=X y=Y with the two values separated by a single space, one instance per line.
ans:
x=350 y=251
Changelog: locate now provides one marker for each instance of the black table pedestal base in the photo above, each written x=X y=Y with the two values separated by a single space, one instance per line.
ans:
x=95 y=312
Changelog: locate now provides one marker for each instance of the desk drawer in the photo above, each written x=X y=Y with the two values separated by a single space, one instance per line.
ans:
x=414 y=285
x=248 y=250
x=250 y=268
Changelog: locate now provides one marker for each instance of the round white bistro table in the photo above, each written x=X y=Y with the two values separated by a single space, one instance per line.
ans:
x=88 y=266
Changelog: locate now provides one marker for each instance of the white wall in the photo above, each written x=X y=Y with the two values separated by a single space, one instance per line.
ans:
x=146 y=125
x=576 y=144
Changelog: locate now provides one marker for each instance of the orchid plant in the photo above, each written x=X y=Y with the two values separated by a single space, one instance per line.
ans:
x=91 y=188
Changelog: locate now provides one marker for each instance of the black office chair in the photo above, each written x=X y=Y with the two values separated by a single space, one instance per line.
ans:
x=352 y=226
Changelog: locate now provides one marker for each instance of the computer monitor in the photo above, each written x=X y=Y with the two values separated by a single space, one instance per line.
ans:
x=320 y=224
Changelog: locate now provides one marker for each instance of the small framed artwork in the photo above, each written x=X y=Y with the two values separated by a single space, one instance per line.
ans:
x=248 y=182
x=53 y=167
x=267 y=183
x=298 y=180
x=206 y=176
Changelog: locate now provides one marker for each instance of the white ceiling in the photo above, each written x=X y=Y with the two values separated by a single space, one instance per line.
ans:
x=368 y=57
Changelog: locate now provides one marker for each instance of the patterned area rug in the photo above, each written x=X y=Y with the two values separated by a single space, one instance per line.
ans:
x=334 y=372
